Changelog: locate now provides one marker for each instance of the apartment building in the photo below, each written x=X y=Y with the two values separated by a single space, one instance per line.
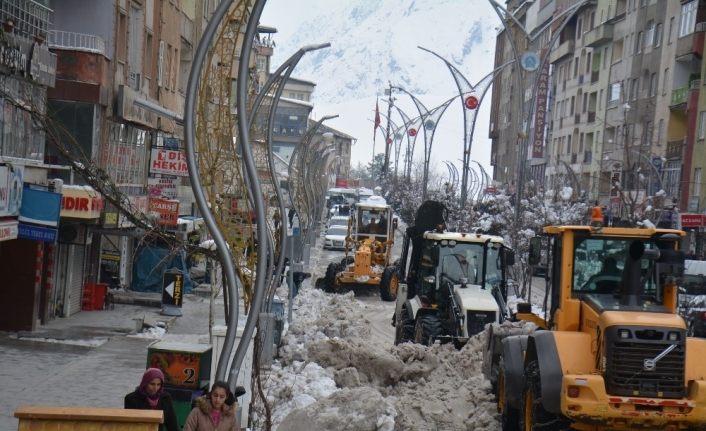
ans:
x=626 y=115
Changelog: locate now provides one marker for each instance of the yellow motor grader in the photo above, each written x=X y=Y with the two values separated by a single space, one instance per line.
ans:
x=610 y=352
x=371 y=234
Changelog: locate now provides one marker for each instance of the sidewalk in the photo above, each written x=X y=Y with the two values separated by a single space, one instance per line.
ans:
x=92 y=358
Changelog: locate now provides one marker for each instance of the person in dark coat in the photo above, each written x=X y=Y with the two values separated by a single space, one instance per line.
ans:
x=150 y=395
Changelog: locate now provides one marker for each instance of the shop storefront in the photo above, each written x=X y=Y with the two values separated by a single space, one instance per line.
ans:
x=693 y=244
x=81 y=208
x=26 y=259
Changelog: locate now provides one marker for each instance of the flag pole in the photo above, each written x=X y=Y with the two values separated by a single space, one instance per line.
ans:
x=375 y=130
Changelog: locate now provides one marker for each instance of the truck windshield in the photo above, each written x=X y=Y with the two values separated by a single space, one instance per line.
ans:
x=372 y=221
x=462 y=260
x=599 y=265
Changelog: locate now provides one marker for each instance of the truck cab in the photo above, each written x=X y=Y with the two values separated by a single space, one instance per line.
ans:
x=458 y=285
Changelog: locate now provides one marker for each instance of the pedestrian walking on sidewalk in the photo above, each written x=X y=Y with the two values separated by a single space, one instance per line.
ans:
x=214 y=411
x=150 y=395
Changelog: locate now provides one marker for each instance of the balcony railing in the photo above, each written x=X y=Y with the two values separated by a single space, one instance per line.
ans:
x=599 y=35
x=566 y=48
x=679 y=95
x=690 y=46
x=674 y=149
x=31 y=19
x=76 y=41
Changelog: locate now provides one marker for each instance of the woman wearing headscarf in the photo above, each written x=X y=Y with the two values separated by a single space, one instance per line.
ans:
x=214 y=411
x=150 y=395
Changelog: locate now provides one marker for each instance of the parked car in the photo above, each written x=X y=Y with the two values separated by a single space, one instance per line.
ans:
x=335 y=238
x=338 y=221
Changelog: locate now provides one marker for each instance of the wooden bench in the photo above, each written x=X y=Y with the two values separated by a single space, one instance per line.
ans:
x=40 y=418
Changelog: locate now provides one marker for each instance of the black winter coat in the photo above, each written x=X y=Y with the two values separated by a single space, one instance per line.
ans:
x=136 y=400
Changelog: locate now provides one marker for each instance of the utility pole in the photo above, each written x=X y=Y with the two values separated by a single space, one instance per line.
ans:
x=390 y=101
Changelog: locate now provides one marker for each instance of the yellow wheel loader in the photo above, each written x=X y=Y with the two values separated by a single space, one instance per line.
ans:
x=610 y=352
x=371 y=234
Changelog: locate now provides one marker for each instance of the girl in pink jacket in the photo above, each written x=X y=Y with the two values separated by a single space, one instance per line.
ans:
x=214 y=411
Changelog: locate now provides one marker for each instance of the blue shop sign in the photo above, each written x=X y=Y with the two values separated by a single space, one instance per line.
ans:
x=37 y=233
x=40 y=207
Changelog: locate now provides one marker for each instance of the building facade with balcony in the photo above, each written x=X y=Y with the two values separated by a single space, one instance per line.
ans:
x=118 y=95
x=505 y=131
x=29 y=205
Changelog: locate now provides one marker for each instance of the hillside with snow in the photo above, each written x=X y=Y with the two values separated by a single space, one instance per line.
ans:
x=373 y=43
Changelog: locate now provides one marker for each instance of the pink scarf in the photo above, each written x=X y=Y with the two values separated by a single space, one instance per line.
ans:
x=216 y=416
x=153 y=402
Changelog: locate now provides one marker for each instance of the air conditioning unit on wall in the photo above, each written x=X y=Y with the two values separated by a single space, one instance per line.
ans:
x=55 y=185
x=75 y=233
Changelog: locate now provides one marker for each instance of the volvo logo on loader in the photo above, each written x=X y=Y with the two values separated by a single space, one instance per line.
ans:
x=651 y=364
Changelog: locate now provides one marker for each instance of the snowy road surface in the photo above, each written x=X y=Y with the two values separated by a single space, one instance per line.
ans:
x=338 y=369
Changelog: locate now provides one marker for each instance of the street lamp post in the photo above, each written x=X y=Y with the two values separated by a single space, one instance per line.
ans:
x=198 y=189
x=297 y=168
x=470 y=106
x=430 y=119
x=281 y=76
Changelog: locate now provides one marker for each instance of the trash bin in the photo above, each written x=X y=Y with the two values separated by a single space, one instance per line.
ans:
x=94 y=296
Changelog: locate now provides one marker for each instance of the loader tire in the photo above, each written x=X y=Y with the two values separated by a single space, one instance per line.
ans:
x=404 y=327
x=428 y=327
x=532 y=412
x=389 y=283
x=509 y=416
x=330 y=278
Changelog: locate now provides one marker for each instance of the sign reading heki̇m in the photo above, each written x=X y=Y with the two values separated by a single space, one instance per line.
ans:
x=170 y=162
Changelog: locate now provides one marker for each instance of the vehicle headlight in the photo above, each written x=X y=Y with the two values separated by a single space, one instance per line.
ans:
x=673 y=336
x=624 y=333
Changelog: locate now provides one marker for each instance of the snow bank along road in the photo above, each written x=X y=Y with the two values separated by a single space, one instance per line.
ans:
x=339 y=369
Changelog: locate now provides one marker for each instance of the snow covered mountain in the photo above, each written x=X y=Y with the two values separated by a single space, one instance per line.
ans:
x=374 y=42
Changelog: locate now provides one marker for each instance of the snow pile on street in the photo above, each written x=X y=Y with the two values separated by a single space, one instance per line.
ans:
x=150 y=332
x=330 y=375
x=88 y=342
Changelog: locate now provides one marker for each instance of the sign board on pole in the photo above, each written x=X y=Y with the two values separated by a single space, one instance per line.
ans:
x=172 y=292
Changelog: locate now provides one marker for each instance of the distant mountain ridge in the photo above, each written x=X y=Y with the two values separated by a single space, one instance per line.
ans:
x=375 y=41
